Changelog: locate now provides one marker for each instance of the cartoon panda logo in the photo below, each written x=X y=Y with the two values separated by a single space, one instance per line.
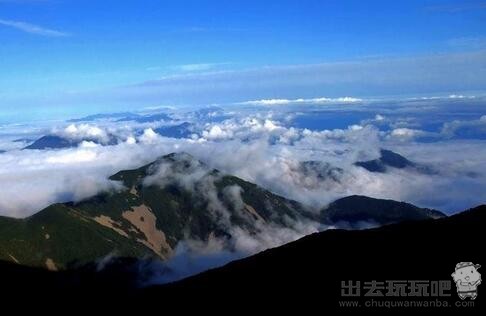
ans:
x=467 y=279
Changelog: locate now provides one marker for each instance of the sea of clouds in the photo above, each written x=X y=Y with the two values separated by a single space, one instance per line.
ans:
x=262 y=144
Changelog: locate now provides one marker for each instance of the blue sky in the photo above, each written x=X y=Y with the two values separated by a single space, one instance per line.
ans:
x=62 y=57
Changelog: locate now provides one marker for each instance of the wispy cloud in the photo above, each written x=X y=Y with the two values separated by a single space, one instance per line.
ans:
x=33 y=29
x=303 y=101
x=189 y=68
x=197 y=67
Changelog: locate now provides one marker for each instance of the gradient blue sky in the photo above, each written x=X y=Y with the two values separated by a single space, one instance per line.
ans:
x=63 y=57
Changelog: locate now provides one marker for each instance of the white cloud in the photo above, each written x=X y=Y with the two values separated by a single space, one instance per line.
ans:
x=247 y=127
x=216 y=132
x=303 y=101
x=72 y=157
x=88 y=144
x=406 y=132
x=33 y=29
x=445 y=97
x=460 y=96
x=131 y=140
x=82 y=132
x=478 y=126
x=148 y=136
x=197 y=67
x=269 y=125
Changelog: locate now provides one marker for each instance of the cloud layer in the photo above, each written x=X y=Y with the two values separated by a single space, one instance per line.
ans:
x=265 y=147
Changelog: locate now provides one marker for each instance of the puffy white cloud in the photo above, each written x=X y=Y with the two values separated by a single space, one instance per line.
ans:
x=379 y=117
x=247 y=127
x=216 y=132
x=148 y=136
x=79 y=132
x=87 y=144
x=269 y=125
x=131 y=140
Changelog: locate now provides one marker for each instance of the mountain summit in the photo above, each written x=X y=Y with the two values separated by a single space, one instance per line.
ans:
x=174 y=198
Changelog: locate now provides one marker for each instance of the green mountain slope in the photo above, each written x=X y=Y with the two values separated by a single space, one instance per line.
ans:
x=144 y=219
x=59 y=236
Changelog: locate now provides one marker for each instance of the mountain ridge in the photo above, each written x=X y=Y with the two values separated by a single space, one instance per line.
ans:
x=174 y=198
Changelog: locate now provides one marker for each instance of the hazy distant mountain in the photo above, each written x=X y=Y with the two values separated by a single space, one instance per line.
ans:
x=57 y=142
x=102 y=116
x=210 y=114
x=183 y=130
x=52 y=142
x=123 y=117
x=145 y=118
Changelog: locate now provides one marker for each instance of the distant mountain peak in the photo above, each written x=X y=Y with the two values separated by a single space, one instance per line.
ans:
x=181 y=161
x=358 y=208
x=52 y=142
x=59 y=142
x=389 y=159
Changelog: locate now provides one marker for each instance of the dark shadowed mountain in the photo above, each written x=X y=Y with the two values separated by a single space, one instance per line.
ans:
x=387 y=158
x=183 y=130
x=357 y=209
x=305 y=275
